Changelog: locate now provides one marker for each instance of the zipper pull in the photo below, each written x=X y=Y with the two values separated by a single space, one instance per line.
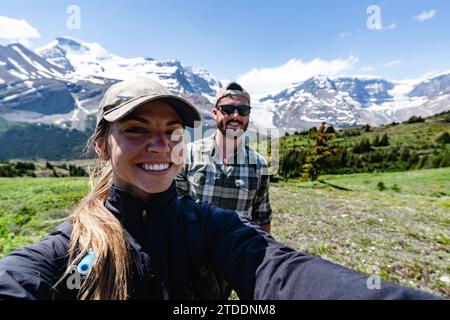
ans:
x=86 y=263
x=144 y=215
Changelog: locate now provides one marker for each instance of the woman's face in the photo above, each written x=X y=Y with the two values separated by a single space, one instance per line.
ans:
x=146 y=149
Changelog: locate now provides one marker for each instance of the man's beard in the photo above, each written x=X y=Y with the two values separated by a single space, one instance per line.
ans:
x=231 y=133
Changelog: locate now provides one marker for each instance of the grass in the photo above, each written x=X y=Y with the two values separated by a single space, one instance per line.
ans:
x=401 y=234
x=415 y=136
x=31 y=208
x=431 y=182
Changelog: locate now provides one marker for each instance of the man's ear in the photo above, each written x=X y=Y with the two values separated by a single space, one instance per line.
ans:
x=102 y=151
x=214 y=111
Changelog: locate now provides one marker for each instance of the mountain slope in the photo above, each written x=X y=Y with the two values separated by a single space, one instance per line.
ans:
x=18 y=63
x=62 y=83
x=65 y=82
x=350 y=101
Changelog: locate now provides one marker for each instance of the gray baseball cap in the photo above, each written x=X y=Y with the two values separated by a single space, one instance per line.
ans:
x=231 y=89
x=124 y=97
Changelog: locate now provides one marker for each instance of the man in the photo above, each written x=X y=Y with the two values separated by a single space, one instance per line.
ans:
x=222 y=169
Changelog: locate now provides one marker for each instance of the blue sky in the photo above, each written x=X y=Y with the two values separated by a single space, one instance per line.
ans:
x=231 y=38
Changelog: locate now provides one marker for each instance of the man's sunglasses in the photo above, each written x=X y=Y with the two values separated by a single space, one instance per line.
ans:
x=229 y=109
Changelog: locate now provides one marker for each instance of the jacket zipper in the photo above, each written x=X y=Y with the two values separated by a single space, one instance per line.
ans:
x=144 y=216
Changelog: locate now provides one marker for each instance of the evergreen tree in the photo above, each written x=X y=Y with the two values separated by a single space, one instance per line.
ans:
x=422 y=162
x=343 y=158
x=376 y=141
x=362 y=146
x=413 y=159
x=404 y=154
x=445 y=161
x=443 y=138
x=384 y=142
x=330 y=129
x=317 y=154
x=291 y=163
x=391 y=155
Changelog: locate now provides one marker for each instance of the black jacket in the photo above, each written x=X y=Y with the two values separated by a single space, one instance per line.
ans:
x=254 y=264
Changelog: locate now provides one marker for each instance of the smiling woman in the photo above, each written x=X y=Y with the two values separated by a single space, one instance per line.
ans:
x=140 y=149
x=132 y=237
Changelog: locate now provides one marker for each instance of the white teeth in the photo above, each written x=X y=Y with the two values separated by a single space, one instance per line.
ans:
x=155 y=167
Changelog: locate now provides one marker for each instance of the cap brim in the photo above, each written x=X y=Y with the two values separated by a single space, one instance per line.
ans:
x=187 y=112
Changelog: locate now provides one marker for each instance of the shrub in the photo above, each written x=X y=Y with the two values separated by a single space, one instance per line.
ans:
x=415 y=119
x=25 y=166
x=330 y=129
x=443 y=138
x=381 y=186
x=362 y=146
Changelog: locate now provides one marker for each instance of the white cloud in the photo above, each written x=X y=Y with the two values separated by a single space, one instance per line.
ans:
x=367 y=69
x=343 y=35
x=14 y=30
x=269 y=80
x=393 y=63
x=425 y=15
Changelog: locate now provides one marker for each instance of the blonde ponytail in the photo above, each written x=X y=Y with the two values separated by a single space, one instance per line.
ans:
x=98 y=230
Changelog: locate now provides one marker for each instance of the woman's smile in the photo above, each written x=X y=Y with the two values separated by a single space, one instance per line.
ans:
x=155 y=168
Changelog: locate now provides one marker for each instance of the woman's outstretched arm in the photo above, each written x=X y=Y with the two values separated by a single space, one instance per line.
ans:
x=31 y=272
x=258 y=267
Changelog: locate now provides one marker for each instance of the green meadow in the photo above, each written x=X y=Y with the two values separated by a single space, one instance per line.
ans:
x=400 y=232
x=393 y=225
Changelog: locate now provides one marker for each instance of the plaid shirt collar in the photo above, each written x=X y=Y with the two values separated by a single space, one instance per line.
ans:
x=210 y=147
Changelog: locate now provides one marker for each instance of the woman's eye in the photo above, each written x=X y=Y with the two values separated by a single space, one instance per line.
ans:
x=137 y=130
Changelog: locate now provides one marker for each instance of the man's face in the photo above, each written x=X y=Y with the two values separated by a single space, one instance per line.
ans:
x=235 y=123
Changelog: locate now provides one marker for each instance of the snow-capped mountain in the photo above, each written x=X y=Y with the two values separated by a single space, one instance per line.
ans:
x=63 y=82
x=437 y=86
x=86 y=60
x=29 y=84
x=19 y=63
x=351 y=101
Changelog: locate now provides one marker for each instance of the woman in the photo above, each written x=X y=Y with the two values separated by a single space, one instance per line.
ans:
x=132 y=238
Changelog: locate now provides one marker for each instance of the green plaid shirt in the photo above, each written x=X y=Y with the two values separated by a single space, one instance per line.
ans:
x=241 y=185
